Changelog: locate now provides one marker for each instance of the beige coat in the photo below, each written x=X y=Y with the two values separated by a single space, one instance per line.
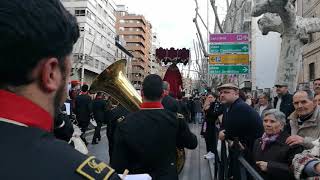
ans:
x=310 y=129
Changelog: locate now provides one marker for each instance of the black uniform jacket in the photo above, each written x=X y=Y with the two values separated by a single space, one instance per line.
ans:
x=146 y=141
x=30 y=151
x=99 y=107
x=83 y=108
x=241 y=121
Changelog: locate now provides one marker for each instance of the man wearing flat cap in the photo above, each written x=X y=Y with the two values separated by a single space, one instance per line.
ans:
x=283 y=102
x=240 y=121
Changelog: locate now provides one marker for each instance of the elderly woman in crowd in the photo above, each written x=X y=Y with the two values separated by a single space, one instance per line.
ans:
x=272 y=155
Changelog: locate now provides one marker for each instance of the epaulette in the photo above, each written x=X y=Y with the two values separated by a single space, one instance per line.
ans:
x=180 y=116
x=120 y=119
x=92 y=169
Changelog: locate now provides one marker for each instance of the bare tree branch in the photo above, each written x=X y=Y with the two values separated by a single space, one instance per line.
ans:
x=213 y=4
x=228 y=4
x=203 y=23
x=198 y=29
x=197 y=57
x=234 y=19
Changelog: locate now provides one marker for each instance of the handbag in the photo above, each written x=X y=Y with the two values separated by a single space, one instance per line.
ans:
x=93 y=122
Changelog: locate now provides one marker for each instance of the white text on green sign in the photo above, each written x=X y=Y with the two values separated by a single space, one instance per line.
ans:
x=225 y=69
x=229 y=48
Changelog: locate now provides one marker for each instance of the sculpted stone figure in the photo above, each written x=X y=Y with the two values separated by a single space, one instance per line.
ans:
x=280 y=16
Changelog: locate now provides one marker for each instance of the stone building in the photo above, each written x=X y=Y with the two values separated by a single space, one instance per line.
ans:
x=311 y=51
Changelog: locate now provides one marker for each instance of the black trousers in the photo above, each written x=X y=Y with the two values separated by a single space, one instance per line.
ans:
x=83 y=125
x=97 y=130
x=210 y=138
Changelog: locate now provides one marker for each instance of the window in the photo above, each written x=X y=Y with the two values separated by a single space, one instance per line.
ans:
x=96 y=64
x=311 y=72
x=80 y=12
x=89 y=14
x=105 y=14
x=102 y=66
x=90 y=31
x=99 y=9
x=81 y=28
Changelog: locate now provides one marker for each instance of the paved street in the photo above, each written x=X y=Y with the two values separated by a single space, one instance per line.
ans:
x=195 y=168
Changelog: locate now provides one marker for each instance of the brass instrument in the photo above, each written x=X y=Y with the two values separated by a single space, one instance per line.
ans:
x=114 y=82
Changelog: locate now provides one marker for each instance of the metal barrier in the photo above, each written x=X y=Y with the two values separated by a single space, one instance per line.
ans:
x=236 y=162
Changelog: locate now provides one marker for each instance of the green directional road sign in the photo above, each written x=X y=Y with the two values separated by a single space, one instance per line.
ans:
x=229 y=48
x=225 y=69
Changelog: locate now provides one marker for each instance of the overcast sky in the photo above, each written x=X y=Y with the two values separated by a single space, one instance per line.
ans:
x=172 y=21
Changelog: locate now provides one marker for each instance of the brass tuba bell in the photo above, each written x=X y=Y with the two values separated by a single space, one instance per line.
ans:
x=114 y=82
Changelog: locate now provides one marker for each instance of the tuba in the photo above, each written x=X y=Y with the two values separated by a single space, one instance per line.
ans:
x=114 y=82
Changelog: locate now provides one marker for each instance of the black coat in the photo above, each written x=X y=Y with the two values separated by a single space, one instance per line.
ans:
x=286 y=105
x=241 y=121
x=146 y=141
x=183 y=109
x=279 y=156
x=170 y=103
x=83 y=108
x=39 y=155
x=63 y=127
x=211 y=116
x=99 y=107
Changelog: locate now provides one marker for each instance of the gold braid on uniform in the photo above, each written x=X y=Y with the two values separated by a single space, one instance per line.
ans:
x=93 y=169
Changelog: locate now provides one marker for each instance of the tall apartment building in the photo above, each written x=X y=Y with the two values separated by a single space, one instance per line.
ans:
x=95 y=49
x=311 y=51
x=136 y=31
x=154 y=64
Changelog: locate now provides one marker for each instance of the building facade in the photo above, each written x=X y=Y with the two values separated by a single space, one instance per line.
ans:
x=123 y=53
x=155 y=64
x=136 y=31
x=311 y=51
x=95 y=49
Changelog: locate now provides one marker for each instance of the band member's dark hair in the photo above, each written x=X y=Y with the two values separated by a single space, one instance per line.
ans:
x=152 y=87
x=84 y=88
x=30 y=31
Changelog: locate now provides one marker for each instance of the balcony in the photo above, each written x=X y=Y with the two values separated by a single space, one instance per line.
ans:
x=138 y=71
x=135 y=17
x=138 y=63
x=140 y=33
x=135 y=40
x=134 y=25
x=136 y=48
x=139 y=56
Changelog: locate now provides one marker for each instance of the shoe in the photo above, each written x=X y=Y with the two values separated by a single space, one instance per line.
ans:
x=210 y=155
x=94 y=142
